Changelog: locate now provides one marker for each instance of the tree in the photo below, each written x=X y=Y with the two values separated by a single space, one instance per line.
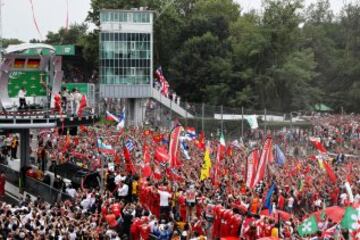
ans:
x=10 y=41
x=72 y=35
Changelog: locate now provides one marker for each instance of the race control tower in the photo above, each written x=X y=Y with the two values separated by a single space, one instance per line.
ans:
x=126 y=61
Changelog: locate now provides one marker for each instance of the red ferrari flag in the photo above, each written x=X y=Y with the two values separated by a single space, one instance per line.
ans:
x=201 y=141
x=174 y=144
x=264 y=160
x=330 y=172
x=128 y=163
x=252 y=162
x=161 y=154
x=146 y=170
x=83 y=104
x=317 y=144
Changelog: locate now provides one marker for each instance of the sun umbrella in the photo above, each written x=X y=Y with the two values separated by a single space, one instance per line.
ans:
x=283 y=215
x=335 y=213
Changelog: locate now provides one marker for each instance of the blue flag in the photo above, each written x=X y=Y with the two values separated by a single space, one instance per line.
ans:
x=129 y=144
x=280 y=156
x=268 y=202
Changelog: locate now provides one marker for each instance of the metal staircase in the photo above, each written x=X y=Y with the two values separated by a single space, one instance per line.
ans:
x=173 y=106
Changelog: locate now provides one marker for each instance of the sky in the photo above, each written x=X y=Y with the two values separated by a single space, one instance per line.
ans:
x=17 y=19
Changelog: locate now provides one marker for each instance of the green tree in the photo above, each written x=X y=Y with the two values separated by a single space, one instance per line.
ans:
x=72 y=35
x=10 y=41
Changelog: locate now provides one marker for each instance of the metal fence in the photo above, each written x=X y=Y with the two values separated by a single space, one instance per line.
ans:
x=210 y=119
x=45 y=191
x=33 y=186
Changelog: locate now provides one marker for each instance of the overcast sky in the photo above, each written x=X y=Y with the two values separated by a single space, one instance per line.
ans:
x=17 y=20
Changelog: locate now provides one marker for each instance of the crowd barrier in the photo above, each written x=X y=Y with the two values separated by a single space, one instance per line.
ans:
x=46 y=192
x=33 y=186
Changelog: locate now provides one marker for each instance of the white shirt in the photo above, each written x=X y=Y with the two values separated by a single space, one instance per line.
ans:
x=119 y=179
x=87 y=203
x=72 y=236
x=343 y=197
x=71 y=192
x=123 y=191
x=290 y=202
x=22 y=93
x=164 y=198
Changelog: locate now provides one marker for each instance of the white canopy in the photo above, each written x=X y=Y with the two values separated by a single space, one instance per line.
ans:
x=25 y=46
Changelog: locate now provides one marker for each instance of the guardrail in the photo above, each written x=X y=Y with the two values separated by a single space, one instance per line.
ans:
x=44 y=191
x=33 y=186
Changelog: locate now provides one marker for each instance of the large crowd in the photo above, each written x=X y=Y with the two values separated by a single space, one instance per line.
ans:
x=144 y=198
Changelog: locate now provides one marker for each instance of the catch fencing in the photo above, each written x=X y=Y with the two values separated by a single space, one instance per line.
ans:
x=208 y=118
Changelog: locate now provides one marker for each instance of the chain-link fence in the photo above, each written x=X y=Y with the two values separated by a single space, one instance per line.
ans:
x=204 y=117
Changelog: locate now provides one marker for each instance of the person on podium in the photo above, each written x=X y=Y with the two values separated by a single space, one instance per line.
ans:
x=22 y=98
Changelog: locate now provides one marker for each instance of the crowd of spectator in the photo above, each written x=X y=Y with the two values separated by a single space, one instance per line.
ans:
x=175 y=204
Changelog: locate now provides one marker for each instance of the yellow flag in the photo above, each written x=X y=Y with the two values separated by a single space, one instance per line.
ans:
x=321 y=164
x=206 y=167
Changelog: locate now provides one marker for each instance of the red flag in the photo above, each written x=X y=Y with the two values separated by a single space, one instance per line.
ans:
x=157 y=174
x=83 y=129
x=229 y=151
x=174 y=160
x=147 y=132
x=264 y=160
x=201 y=141
x=83 y=104
x=173 y=176
x=330 y=172
x=128 y=163
x=146 y=169
x=117 y=159
x=317 y=144
x=161 y=154
x=157 y=137
x=252 y=162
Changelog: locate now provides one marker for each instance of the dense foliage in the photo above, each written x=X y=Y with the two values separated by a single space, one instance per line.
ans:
x=284 y=57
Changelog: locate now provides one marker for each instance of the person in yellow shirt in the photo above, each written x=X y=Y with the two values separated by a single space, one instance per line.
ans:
x=275 y=231
x=134 y=188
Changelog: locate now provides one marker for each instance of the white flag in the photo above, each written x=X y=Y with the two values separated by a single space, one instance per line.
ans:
x=252 y=120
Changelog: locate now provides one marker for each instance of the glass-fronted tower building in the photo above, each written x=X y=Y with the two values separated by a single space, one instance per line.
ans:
x=126 y=58
x=126 y=47
x=126 y=62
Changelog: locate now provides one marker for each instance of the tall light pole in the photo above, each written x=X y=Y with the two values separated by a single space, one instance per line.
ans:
x=1 y=37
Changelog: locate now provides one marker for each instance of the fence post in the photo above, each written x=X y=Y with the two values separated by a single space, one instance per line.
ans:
x=265 y=117
x=202 y=116
x=222 y=119
x=170 y=114
x=186 y=115
x=242 y=122
x=159 y=113
x=142 y=112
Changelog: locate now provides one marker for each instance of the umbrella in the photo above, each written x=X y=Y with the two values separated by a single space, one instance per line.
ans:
x=283 y=215
x=335 y=213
